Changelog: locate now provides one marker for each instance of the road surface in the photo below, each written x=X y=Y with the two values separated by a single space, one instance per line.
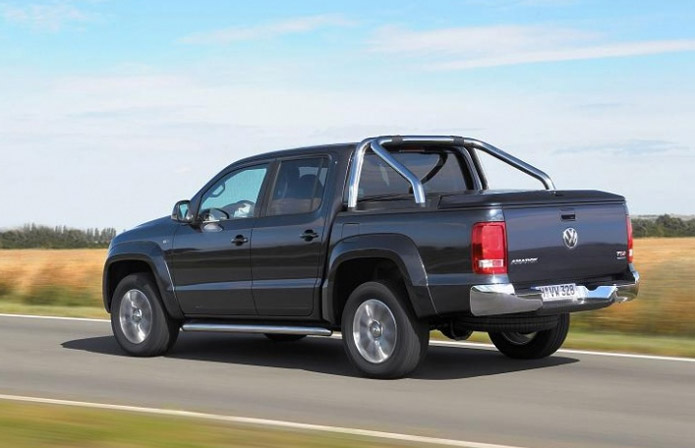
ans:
x=473 y=394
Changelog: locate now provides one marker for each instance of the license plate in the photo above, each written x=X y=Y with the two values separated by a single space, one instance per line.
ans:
x=567 y=291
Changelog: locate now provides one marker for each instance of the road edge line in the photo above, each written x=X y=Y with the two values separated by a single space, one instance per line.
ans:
x=411 y=438
x=569 y=351
x=39 y=316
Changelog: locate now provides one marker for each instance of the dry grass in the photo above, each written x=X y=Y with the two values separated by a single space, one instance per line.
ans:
x=666 y=302
x=36 y=280
x=52 y=277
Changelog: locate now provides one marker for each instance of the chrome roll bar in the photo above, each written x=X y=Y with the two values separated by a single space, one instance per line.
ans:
x=376 y=144
x=509 y=159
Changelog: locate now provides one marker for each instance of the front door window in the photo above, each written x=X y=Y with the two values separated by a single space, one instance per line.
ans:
x=234 y=196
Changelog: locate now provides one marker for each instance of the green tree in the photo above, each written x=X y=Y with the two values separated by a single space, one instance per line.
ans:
x=59 y=237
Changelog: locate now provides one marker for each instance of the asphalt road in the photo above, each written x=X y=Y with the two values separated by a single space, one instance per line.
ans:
x=568 y=400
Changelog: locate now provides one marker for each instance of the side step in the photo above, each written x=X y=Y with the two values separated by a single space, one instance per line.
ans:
x=254 y=329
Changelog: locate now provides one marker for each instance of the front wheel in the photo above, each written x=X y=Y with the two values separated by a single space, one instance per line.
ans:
x=381 y=335
x=536 y=345
x=138 y=319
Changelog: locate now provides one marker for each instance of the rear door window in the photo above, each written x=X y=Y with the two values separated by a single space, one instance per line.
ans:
x=298 y=186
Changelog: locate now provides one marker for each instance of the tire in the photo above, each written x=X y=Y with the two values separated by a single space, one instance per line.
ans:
x=389 y=344
x=138 y=319
x=279 y=337
x=536 y=345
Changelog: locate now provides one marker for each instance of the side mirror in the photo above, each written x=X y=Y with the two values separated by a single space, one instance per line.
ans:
x=182 y=212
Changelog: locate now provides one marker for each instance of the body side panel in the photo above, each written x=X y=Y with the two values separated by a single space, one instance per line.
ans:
x=431 y=247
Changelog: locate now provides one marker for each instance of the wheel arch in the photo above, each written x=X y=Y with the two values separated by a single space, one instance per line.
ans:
x=371 y=257
x=130 y=258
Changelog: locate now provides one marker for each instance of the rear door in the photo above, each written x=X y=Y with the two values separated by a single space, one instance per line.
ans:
x=289 y=238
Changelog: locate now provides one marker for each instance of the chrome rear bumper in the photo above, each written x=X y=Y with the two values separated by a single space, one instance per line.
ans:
x=496 y=299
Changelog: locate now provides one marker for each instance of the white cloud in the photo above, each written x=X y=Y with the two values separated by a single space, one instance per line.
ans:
x=50 y=16
x=632 y=148
x=124 y=148
x=572 y=54
x=492 y=46
x=268 y=30
x=482 y=40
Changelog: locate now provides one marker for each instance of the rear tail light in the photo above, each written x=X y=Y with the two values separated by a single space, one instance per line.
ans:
x=630 y=252
x=489 y=246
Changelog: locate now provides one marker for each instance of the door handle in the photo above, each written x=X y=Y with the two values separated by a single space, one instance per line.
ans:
x=309 y=235
x=239 y=240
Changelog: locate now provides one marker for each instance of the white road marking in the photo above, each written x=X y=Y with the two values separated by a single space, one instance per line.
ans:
x=482 y=346
x=36 y=316
x=411 y=438
x=456 y=344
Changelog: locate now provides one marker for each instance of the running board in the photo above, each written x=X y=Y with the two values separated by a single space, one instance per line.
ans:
x=254 y=329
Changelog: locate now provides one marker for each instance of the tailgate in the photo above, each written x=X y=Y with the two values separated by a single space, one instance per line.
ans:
x=550 y=244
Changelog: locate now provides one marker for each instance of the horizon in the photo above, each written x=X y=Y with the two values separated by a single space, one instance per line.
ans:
x=116 y=110
x=53 y=226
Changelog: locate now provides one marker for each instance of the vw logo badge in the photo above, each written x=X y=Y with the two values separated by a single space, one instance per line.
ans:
x=570 y=238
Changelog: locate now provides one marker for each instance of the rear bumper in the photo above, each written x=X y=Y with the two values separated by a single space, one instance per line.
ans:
x=496 y=299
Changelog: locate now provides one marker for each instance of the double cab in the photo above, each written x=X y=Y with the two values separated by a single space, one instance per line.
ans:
x=383 y=240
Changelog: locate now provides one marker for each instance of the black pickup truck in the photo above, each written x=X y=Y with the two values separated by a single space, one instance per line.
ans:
x=383 y=240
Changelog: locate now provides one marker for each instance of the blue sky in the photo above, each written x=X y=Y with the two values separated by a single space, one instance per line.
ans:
x=113 y=110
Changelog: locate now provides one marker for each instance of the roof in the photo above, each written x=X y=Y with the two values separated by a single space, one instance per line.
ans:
x=300 y=151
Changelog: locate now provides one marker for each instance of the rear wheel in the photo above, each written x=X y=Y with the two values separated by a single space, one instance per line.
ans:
x=535 y=345
x=138 y=319
x=278 y=337
x=381 y=335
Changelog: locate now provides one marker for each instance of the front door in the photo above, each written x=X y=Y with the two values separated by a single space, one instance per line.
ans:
x=211 y=265
x=289 y=238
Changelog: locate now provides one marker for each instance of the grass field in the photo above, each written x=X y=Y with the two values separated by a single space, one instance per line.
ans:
x=661 y=320
x=38 y=425
x=65 y=278
x=666 y=301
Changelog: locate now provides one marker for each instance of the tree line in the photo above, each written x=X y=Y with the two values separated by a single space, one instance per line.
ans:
x=31 y=236
x=663 y=226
